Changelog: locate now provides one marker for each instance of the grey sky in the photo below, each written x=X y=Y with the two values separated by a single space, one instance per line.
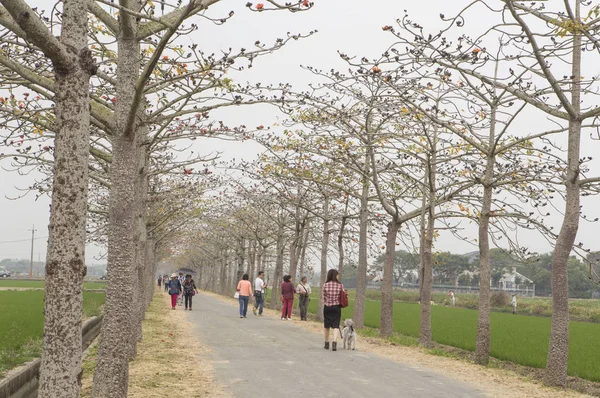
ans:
x=351 y=26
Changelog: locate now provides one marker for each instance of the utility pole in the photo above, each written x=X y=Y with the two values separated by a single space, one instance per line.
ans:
x=31 y=260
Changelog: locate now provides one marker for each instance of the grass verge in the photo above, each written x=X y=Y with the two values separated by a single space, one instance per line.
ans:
x=168 y=359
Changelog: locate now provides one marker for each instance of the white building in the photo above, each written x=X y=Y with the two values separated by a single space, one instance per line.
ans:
x=514 y=280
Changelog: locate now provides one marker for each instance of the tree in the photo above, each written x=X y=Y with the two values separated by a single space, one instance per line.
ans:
x=60 y=372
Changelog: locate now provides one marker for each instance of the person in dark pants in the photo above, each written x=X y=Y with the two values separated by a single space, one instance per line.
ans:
x=244 y=288
x=303 y=290
x=159 y=281
x=189 y=290
x=332 y=309
x=259 y=293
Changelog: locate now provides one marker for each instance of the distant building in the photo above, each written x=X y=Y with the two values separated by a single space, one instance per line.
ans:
x=514 y=280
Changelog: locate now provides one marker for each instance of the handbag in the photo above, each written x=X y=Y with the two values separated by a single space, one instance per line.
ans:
x=343 y=299
x=193 y=292
x=236 y=295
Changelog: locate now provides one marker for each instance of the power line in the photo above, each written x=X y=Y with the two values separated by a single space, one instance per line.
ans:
x=23 y=240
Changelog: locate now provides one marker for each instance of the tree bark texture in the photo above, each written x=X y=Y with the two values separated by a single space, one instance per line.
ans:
x=278 y=276
x=241 y=256
x=324 y=249
x=558 y=351
x=427 y=272
x=303 y=252
x=483 y=341
x=117 y=337
x=361 y=277
x=60 y=372
x=387 y=286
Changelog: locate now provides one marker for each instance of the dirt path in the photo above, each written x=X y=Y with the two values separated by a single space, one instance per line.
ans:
x=264 y=357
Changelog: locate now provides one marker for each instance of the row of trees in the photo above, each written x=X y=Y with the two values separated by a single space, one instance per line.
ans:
x=443 y=130
x=433 y=135
x=98 y=95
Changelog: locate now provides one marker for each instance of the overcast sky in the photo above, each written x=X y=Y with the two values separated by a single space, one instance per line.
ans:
x=351 y=26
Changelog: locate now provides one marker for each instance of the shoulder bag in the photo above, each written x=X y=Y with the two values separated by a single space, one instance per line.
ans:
x=343 y=298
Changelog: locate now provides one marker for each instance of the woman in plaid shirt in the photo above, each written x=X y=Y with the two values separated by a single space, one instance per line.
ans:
x=332 y=310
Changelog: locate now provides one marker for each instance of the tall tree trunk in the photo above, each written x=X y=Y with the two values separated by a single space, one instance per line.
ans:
x=361 y=277
x=138 y=301
x=303 y=252
x=387 y=286
x=151 y=260
x=241 y=256
x=252 y=259
x=324 y=249
x=60 y=372
x=223 y=273
x=340 y=240
x=111 y=377
x=427 y=274
x=482 y=346
x=112 y=370
x=278 y=276
x=558 y=351
x=259 y=258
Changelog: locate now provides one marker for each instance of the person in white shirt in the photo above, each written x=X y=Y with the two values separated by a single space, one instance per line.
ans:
x=452 y=300
x=259 y=293
x=513 y=303
x=303 y=291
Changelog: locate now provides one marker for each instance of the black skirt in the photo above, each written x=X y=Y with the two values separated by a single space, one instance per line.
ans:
x=332 y=316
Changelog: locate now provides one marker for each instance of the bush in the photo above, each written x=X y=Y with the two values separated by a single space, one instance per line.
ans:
x=500 y=299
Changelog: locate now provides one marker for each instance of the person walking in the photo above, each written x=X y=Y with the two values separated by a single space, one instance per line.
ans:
x=159 y=281
x=287 y=297
x=174 y=289
x=452 y=300
x=303 y=290
x=259 y=293
x=181 y=278
x=332 y=310
x=166 y=282
x=513 y=304
x=244 y=288
x=189 y=290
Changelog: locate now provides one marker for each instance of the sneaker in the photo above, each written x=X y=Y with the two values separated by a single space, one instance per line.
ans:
x=327 y=345
x=334 y=346
x=241 y=317
x=190 y=309
x=289 y=319
x=283 y=319
x=254 y=311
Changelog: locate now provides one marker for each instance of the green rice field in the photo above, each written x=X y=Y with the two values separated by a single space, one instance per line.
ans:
x=22 y=323
x=516 y=338
x=40 y=284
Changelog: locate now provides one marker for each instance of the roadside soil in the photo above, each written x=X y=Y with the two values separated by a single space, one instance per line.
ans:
x=494 y=382
x=167 y=358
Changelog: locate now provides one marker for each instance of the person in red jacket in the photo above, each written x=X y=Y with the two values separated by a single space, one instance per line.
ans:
x=287 y=297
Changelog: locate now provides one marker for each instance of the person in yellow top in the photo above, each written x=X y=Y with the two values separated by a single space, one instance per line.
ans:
x=244 y=288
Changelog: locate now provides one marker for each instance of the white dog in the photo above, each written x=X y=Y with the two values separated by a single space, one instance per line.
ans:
x=349 y=335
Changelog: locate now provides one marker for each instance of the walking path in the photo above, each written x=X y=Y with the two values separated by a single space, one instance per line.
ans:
x=267 y=357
